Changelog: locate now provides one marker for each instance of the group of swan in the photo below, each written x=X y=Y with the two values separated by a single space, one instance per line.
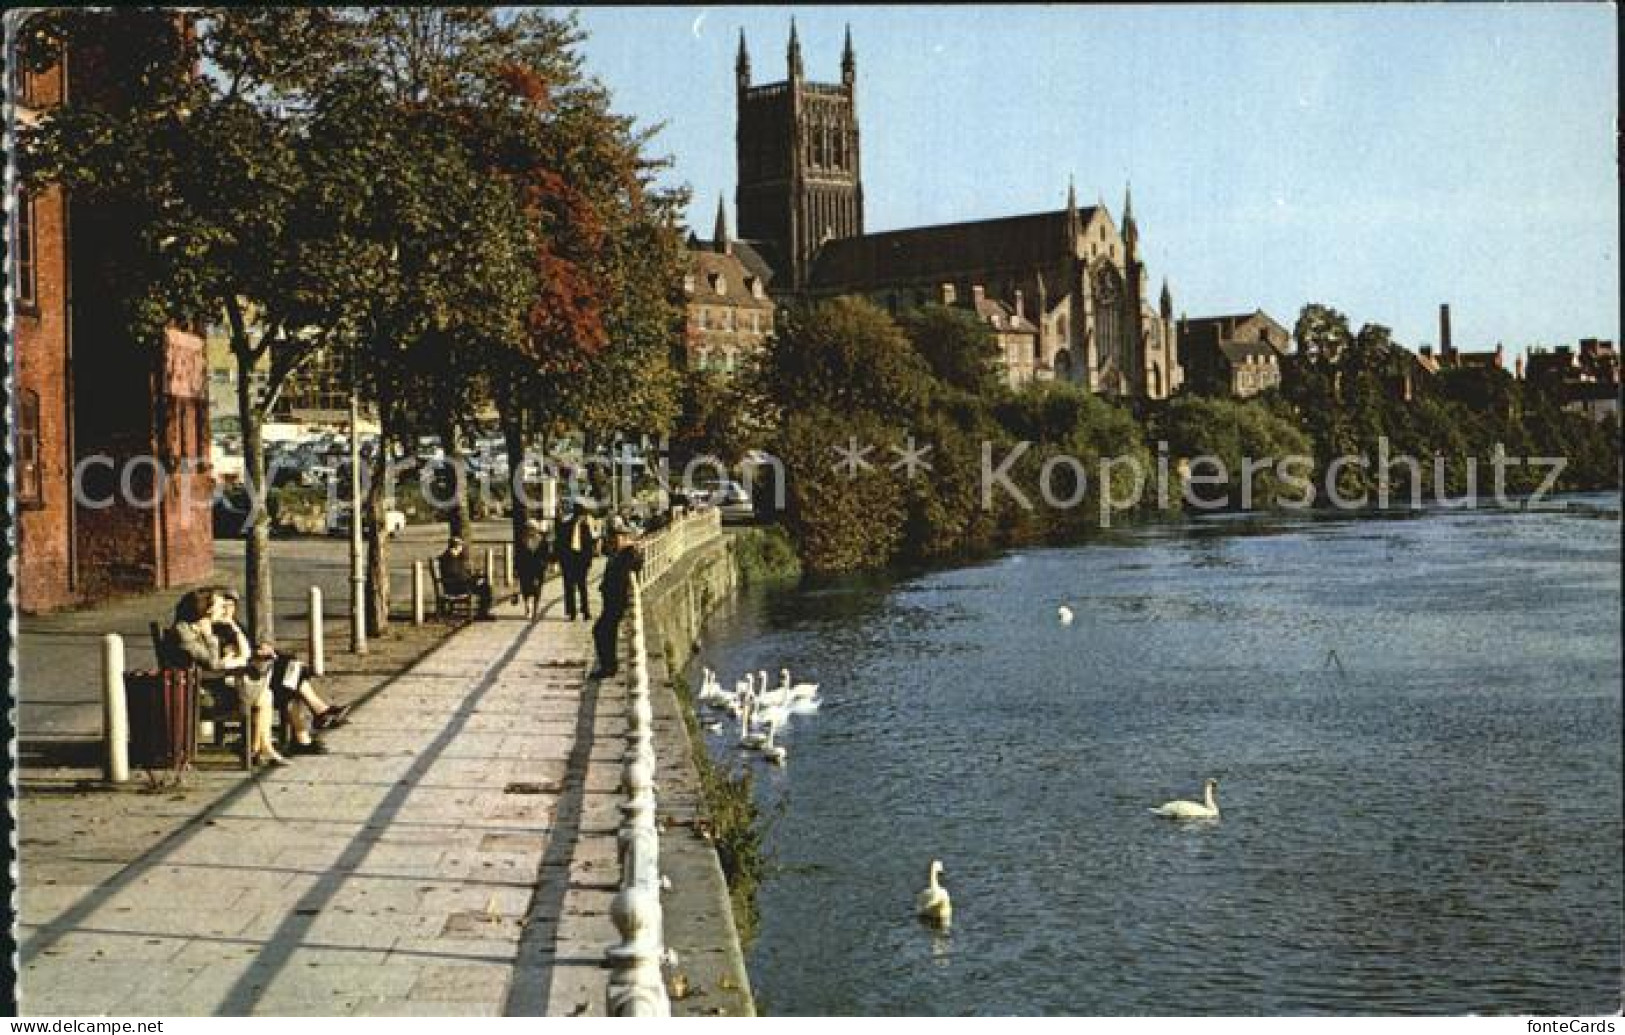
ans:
x=755 y=705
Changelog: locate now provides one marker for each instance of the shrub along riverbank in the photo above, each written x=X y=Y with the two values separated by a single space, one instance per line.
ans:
x=902 y=443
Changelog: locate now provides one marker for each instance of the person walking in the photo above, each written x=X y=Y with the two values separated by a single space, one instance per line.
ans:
x=615 y=588
x=574 y=543
x=530 y=564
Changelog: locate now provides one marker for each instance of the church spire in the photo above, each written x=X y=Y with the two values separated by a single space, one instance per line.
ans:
x=742 y=64
x=1073 y=226
x=849 y=60
x=794 y=52
x=719 y=236
x=1131 y=233
x=1167 y=306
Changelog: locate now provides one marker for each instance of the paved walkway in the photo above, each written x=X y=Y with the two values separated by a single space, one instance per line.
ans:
x=454 y=854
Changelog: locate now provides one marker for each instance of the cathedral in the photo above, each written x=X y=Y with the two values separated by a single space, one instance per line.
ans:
x=1065 y=291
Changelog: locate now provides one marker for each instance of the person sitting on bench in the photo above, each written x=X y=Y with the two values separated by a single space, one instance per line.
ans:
x=290 y=687
x=456 y=579
x=252 y=680
x=194 y=640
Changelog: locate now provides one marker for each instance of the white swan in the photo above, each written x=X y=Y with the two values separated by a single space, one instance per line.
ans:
x=797 y=690
x=773 y=752
x=711 y=692
x=1208 y=808
x=933 y=905
x=747 y=739
x=1065 y=614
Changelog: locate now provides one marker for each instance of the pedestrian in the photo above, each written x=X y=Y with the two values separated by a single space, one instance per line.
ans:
x=625 y=559
x=456 y=579
x=574 y=543
x=530 y=563
x=252 y=680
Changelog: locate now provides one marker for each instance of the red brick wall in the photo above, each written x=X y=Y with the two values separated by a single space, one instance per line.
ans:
x=45 y=530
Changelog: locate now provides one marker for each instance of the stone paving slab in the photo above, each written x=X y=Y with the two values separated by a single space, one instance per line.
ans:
x=397 y=875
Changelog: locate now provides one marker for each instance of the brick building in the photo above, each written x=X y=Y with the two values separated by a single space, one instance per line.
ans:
x=1239 y=356
x=1070 y=275
x=730 y=313
x=1585 y=380
x=130 y=417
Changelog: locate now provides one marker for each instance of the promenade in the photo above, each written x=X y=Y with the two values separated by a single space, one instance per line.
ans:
x=453 y=854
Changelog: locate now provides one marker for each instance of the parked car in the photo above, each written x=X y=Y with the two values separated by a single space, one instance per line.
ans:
x=733 y=500
x=338 y=521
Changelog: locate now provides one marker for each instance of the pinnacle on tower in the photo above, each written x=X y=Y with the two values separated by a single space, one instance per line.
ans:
x=742 y=64
x=849 y=59
x=794 y=52
x=1073 y=226
x=1167 y=302
x=1131 y=233
x=719 y=235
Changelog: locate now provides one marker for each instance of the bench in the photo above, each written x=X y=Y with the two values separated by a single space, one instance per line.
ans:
x=216 y=704
x=448 y=604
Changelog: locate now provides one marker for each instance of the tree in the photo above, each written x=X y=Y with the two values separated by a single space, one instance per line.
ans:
x=205 y=170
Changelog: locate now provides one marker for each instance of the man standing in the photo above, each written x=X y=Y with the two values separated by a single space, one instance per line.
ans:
x=574 y=544
x=455 y=578
x=625 y=560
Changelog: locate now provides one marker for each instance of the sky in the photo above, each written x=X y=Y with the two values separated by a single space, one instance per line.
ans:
x=1380 y=159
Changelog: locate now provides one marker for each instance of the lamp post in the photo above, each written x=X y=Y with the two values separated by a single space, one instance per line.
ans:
x=358 y=552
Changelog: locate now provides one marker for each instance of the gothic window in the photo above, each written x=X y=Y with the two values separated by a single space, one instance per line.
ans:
x=27 y=280
x=1156 y=381
x=30 y=478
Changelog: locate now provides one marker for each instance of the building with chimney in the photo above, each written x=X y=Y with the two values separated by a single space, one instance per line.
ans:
x=1237 y=356
x=1585 y=380
x=729 y=310
x=1065 y=291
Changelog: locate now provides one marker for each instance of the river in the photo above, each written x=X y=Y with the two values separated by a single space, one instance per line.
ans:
x=1415 y=722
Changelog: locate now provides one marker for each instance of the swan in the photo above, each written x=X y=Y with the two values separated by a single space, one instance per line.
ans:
x=1065 y=614
x=747 y=739
x=798 y=690
x=1205 y=809
x=711 y=691
x=773 y=752
x=933 y=905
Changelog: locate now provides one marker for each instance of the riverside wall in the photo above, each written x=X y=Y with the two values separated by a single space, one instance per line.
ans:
x=699 y=919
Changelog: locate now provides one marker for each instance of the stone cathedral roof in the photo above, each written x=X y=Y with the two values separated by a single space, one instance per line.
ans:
x=1014 y=243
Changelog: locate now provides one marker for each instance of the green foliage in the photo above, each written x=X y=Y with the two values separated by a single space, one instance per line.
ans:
x=1232 y=432
x=765 y=553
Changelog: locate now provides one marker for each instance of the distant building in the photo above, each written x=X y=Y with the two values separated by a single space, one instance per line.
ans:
x=1238 y=356
x=1068 y=274
x=1451 y=358
x=730 y=313
x=131 y=417
x=1584 y=380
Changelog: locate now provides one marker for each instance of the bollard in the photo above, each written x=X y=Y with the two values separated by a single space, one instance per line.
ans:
x=490 y=569
x=115 y=716
x=317 y=642
x=417 y=592
x=507 y=565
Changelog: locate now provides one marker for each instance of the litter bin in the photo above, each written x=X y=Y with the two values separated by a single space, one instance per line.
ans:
x=163 y=714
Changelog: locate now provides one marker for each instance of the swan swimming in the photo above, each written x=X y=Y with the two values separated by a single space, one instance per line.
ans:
x=1208 y=808
x=747 y=739
x=1065 y=614
x=774 y=753
x=933 y=905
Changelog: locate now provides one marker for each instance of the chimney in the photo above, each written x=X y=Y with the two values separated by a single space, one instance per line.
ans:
x=977 y=294
x=947 y=294
x=1021 y=313
x=1426 y=350
x=1500 y=350
x=1444 y=330
x=1517 y=368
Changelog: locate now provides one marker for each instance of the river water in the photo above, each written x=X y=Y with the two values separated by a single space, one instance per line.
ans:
x=1415 y=722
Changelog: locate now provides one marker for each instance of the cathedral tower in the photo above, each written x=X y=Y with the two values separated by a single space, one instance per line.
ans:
x=797 y=144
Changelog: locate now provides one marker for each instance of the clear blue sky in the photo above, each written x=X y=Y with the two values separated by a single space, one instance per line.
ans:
x=1380 y=159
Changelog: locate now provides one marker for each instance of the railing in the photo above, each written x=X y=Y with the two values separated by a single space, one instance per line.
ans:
x=636 y=986
x=667 y=546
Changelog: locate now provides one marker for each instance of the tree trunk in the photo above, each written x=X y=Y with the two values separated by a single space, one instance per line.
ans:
x=377 y=534
x=261 y=612
x=458 y=519
x=511 y=414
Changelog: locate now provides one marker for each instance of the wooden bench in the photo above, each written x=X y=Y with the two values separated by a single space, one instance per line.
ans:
x=220 y=709
x=448 y=604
